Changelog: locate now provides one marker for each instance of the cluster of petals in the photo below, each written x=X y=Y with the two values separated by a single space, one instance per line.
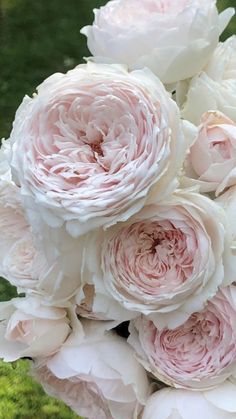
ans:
x=165 y=36
x=199 y=354
x=169 y=403
x=29 y=328
x=212 y=156
x=93 y=144
x=214 y=88
x=96 y=374
x=164 y=262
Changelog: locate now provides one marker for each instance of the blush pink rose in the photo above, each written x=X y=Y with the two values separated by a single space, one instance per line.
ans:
x=173 y=38
x=28 y=328
x=213 y=153
x=98 y=376
x=21 y=263
x=91 y=147
x=169 y=403
x=200 y=353
x=166 y=261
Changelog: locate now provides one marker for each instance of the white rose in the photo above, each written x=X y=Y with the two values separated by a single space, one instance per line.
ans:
x=174 y=39
x=165 y=262
x=28 y=328
x=97 y=376
x=215 y=87
x=219 y=403
x=212 y=156
x=112 y=139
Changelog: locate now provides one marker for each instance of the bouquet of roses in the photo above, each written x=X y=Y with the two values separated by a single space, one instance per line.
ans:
x=117 y=214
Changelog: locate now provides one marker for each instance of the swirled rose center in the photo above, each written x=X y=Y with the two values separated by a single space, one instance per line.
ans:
x=200 y=347
x=153 y=255
x=95 y=133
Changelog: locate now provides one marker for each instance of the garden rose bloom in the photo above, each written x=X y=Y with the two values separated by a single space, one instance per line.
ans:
x=169 y=403
x=200 y=353
x=167 y=259
x=28 y=328
x=91 y=147
x=20 y=262
x=213 y=153
x=98 y=377
x=215 y=87
x=173 y=38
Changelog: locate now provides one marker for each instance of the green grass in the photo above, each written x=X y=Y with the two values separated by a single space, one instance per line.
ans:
x=38 y=38
x=22 y=398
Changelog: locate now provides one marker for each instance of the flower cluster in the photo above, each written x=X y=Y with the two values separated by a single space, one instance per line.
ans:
x=117 y=202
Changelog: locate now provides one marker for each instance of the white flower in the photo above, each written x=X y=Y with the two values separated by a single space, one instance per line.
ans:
x=173 y=38
x=219 y=403
x=165 y=262
x=28 y=328
x=94 y=145
x=96 y=375
x=215 y=87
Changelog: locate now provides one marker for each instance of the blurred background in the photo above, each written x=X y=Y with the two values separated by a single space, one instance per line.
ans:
x=38 y=38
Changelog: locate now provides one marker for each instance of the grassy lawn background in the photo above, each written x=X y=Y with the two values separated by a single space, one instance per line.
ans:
x=38 y=38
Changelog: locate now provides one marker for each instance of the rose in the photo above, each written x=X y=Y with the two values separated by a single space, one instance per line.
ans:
x=23 y=265
x=94 y=144
x=215 y=87
x=169 y=403
x=213 y=153
x=45 y=263
x=173 y=38
x=28 y=328
x=165 y=262
x=20 y=262
x=97 y=376
x=199 y=354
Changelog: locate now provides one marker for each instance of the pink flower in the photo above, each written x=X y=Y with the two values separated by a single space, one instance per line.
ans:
x=98 y=376
x=199 y=354
x=30 y=328
x=169 y=403
x=213 y=153
x=21 y=263
x=91 y=147
x=167 y=260
x=173 y=38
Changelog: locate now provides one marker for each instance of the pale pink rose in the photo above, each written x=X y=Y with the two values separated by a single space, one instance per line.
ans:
x=200 y=353
x=41 y=263
x=94 y=144
x=214 y=88
x=23 y=265
x=169 y=403
x=166 y=261
x=28 y=328
x=173 y=38
x=98 y=376
x=212 y=156
x=20 y=262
